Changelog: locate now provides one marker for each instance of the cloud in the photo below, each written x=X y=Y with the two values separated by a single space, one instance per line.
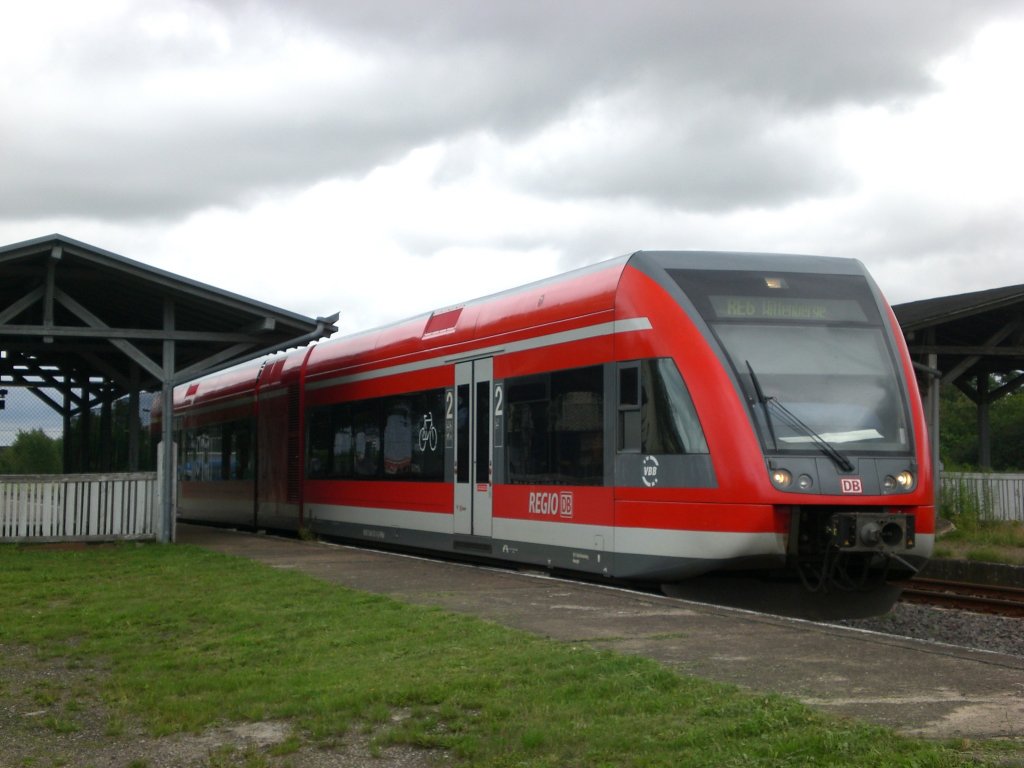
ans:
x=387 y=158
x=160 y=110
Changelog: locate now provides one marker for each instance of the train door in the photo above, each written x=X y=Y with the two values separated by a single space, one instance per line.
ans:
x=474 y=446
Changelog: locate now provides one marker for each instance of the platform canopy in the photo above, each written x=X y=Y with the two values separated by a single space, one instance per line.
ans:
x=94 y=326
x=969 y=340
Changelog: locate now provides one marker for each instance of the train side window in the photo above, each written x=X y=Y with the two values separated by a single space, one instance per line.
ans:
x=658 y=416
x=428 y=435
x=669 y=422
x=629 y=407
x=556 y=428
x=187 y=457
x=527 y=441
x=629 y=385
x=342 y=442
x=462 y=434
x=226 y=453
x=318 y=446
x=346 y=440
x=366 y=429
x=235 y=450
x=241 y=451
x=398 y=438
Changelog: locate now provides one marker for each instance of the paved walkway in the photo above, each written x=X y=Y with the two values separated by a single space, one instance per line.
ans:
x=917 y=688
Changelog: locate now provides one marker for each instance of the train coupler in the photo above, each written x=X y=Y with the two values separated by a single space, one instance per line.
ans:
x=871 y=532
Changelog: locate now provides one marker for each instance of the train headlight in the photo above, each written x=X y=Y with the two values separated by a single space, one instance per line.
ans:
x=782 y=478
x=804 y=482
x=904 y=481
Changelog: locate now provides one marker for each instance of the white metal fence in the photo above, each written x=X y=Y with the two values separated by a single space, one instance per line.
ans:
x=988 y=496
x=126 y=506
x=78 y=507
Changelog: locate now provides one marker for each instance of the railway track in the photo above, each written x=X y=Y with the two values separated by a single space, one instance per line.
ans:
x=979 y=598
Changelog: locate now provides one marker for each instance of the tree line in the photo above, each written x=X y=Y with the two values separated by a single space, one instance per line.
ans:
x=33 y=452
x=958 y=431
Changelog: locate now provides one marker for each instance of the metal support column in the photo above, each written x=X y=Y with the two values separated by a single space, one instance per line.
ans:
x=166 y=529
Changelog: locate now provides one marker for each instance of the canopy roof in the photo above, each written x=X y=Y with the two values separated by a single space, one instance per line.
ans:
x=71 y=312
x=969 y=334
x=963 y=340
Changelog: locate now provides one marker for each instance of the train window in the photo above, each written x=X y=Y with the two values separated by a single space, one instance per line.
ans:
x=816 y=344
x=397 y=437
x=556 y=428
x=483 y=433
x=629 y=407
x=394 y=437
x=663 y=419
x=187 y=456
x=236 y=451
x=241 y=451
x=366 y=429
x=217 y=452
x=427 y=442
x=462 y=434
x=214 y=455
x=411 y=441
x=318 y=444
x=343 y=443
x=669 y=422
x=227 y=433
x=629 y=386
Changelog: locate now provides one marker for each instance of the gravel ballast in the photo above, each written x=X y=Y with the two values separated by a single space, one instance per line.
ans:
x=953 y=627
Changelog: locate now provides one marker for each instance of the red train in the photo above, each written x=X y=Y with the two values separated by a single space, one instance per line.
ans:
x=654 y=417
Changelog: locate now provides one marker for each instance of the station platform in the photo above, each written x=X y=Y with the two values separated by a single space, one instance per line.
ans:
x=917 y=688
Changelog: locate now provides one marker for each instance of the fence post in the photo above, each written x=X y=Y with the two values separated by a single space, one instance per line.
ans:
x=163 y=524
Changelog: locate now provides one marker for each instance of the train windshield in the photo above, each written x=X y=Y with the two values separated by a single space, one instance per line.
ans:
x=813 y=355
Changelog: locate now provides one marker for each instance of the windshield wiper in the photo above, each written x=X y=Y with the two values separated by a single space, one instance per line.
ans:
x=823 y=445
x=794 y=422
x=764 y=404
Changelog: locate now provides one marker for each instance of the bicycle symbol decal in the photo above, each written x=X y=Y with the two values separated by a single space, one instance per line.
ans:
x=428 y=433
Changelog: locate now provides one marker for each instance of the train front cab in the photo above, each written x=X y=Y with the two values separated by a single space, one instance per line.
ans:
x=810 y=408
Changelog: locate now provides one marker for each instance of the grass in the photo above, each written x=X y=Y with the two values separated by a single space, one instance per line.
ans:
x=976 y=535
x=187 y=639
x=984 y=541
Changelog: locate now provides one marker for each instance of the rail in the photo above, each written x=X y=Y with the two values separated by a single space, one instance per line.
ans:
x=97 y=507
x=984 y=496
x=979 y=598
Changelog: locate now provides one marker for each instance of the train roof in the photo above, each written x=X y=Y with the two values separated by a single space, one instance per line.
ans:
x=696 y=259
x=588 y=290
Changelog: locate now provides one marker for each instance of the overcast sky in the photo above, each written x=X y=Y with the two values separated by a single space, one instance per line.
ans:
x=385 y=158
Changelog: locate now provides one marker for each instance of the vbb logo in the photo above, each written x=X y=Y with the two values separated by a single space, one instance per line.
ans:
x=650 y=471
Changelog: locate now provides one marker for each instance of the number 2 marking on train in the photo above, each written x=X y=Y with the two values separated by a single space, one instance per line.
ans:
x=499 y=400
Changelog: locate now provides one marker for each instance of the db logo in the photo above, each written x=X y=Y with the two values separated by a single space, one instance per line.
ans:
x=851 y=485
x=553 y=504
